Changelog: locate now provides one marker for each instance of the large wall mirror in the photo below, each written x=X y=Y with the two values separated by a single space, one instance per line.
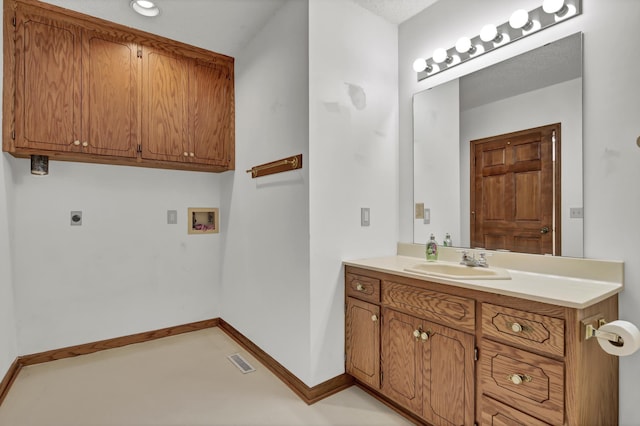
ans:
x=538 y=88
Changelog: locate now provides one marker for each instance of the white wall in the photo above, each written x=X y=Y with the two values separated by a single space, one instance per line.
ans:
x=8 y=341
x=610 y=125
x=353 y=160
x=124 y=270
x=560 y=107
x=436 y=162
x=265 y=283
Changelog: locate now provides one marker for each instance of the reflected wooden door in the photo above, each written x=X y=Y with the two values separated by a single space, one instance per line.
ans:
x=515 y=191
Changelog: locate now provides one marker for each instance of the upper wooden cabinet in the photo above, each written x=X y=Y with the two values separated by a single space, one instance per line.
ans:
x=186 y=109
x=93 y=91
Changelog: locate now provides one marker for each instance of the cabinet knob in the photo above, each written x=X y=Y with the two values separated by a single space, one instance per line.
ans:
x=416 y=334
x=424 y=336
x=186 y=154
x=360 y=287
x=518 y=379
x=516 y=328
x=85 y=144
x=191 y=154
x=76 y=143
x=374 y=318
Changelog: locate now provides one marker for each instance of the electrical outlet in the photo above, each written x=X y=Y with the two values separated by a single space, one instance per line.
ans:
x=419 y=211
x=576 y=213
x=172 y=217
x=427 y=216
x=76 y=218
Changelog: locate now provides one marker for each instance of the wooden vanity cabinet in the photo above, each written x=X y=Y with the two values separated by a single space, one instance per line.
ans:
x=410 y=359
x=456 y=356
x=93 y=91
x=76 y=90
x=428 y=368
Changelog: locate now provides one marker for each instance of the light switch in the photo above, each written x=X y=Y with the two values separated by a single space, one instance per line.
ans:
x=427 y=216
x=364 y=216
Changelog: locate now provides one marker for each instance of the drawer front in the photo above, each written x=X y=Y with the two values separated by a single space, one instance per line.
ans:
x=533 y=383
x=363 y=288
x=458 y=312
x=495 y=413
x=539 y=332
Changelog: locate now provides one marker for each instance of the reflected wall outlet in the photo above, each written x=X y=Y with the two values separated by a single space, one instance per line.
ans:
x=172 y=217
x=364 y=216
x=76 y=218
x=576 y=213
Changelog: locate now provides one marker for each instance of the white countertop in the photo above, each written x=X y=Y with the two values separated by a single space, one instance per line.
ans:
x=562 y=290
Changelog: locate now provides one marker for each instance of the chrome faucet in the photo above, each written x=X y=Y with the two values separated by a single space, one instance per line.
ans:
x=470 y=259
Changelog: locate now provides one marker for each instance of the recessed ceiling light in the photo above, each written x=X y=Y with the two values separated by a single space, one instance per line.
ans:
x=145 y=7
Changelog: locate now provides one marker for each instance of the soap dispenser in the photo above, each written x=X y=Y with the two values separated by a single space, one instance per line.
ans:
x=447 y=240
x=432 y=249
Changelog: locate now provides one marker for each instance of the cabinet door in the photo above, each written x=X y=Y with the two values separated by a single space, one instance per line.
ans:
x=110 y=114
x=48 y=81
x=362 y=343
x=447 y=361
x=402 y=375
x=210 y=106
x=165 y=88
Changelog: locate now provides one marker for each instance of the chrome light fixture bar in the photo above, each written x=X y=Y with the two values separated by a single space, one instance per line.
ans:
x=521 y=24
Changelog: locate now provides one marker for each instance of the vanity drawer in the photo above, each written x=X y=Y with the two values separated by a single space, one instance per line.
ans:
x=363 y=288
x=458 y=312
x=539 y=332
x=495 y=413
x=533 y=383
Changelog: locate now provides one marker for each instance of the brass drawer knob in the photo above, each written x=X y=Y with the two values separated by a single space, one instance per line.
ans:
x=359 y=287
x=518 y=379
x=374 y=318
x=516 y=328
x=416 y=334
x=85 y=144
x=76 y=143
x=424 y=336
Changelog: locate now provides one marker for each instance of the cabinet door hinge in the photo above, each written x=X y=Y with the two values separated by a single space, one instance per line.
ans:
x=139 y=150
x=475 y=354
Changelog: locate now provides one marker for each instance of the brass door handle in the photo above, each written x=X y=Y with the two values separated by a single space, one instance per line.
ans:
x=544 y=230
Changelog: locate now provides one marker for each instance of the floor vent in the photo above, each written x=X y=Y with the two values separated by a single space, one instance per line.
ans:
x=241 y=363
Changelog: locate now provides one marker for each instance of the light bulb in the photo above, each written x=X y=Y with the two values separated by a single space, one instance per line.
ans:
x=145 y=7
x=553 y=6
x=420 y=65
x=440 y=55
x=519 y=19
x=463 y=45
x=490 y=33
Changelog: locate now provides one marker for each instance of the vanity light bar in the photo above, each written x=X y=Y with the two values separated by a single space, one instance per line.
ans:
x=520 y=25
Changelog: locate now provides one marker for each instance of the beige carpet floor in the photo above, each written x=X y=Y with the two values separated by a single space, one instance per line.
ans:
x=184 y=380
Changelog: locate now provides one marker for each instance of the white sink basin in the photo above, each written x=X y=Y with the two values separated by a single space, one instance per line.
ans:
x=460 y=272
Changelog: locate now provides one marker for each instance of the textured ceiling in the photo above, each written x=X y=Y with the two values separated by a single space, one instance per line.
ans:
x=224 y=26
x=551 y=64
x=395 y=11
